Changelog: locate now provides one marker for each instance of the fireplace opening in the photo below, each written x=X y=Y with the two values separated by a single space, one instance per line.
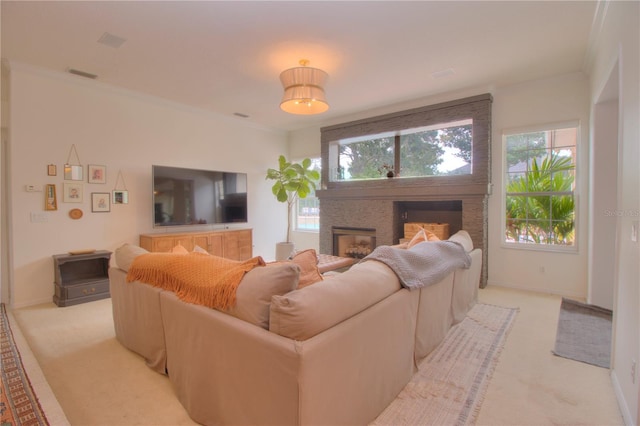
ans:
x=353 y=242
x=445 y=211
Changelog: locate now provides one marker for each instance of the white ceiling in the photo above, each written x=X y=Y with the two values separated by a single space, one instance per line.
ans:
x=226 y=56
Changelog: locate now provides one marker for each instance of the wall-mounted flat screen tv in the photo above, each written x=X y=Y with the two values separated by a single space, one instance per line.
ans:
x=183 y=196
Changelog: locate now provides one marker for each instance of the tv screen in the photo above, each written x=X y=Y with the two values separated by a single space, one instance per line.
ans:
x=184 y=196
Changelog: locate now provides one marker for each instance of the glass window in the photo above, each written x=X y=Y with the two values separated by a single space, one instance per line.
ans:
x=438 y=150
x=307 y=212
x=540 y=187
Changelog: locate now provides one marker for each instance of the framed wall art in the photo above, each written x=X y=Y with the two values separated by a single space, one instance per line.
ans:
x=120 y=196
x=72 y=192
x=73 y=171
x=50 y=199
x=97 y=174
x=100 y=202
x=52 y=170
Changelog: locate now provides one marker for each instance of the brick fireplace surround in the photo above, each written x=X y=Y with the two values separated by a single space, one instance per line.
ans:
x=386 y=204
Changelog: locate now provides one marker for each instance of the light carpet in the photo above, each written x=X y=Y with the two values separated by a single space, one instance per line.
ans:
x=451 y=382
x=584 y=333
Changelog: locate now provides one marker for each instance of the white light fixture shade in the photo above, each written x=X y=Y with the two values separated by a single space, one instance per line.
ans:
x=303 y=90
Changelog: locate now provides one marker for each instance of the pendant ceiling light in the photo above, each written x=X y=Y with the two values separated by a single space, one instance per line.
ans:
x=303 y=90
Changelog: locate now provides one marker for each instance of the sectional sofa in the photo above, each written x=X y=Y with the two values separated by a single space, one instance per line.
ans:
x=335 y=352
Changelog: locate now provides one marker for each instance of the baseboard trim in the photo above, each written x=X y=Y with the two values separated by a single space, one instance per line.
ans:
x=31 y=303
x=575 y=296
x=622 y=403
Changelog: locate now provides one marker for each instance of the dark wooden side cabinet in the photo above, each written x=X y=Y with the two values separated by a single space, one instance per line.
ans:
x=81 y=278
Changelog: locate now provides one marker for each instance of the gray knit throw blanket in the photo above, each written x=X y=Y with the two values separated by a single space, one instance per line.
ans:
x=424 y=264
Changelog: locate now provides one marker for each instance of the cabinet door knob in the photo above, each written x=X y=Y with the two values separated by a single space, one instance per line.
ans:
x=85 y=291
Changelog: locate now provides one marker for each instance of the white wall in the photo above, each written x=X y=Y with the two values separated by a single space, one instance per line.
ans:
x=618 y=45
x=4 y=115
x=554 y=100
x=127 y=132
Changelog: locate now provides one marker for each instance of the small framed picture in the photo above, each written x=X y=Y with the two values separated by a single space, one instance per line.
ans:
x=72 y=192
x=120 y=197
x=72 y=172
x=50 y=200
x=100 y=202
x=52 y=170
x=97 y=174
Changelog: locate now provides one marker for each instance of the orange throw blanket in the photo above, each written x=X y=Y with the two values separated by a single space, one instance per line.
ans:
x=194 y=277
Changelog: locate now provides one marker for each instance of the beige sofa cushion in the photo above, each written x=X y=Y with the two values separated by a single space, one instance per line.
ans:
x=464 y=239
x=126 y=253
x=254 y=293
x=306 y=312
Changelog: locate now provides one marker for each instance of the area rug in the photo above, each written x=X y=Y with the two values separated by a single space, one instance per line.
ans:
x=19 y=405
x=449 y=387
x=584 y=333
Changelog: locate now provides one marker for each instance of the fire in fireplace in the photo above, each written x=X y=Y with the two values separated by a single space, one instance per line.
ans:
x=353 y=242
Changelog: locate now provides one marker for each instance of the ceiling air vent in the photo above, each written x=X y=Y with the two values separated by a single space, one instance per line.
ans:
x=443 y=73
x=82 y=73
x=111 y=40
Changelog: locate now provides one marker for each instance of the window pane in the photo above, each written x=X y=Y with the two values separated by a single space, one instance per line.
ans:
x=539 y=231
x=437 y=150
x=307 y=212
x=539 y=185
x=364 y=159
x=308 y=217
x=522 y=147
x=440 y=150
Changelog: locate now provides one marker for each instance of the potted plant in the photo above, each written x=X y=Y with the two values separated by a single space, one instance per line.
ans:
x=292 y=181
x=386 y=169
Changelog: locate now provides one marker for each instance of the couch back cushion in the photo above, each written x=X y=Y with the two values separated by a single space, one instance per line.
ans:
x=126 y=253
x=464 y=239
x=303 y=313
x=254 y=293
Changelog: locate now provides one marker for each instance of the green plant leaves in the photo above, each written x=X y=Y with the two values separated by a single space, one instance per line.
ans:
x=292 y=181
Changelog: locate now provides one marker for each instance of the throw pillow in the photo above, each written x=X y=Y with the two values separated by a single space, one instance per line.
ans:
x=421 y=236
x=307 y=260
x=431 y=236
x=253 y=296
x=463 y=238
x=198 y=249
x=125 y=255
x=179 y=249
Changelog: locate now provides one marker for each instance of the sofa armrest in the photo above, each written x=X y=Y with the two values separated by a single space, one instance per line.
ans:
x=350 y=372
x=434 y=316
x=137 y=319
x=465 y=287
x=220 y=365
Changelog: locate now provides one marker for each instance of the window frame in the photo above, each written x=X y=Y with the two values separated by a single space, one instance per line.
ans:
x=574 y=248
x=477 y=108
x=314 y=161
x=397 y=140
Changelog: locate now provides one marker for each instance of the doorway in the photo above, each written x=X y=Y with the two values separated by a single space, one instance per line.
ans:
x=603 y=206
